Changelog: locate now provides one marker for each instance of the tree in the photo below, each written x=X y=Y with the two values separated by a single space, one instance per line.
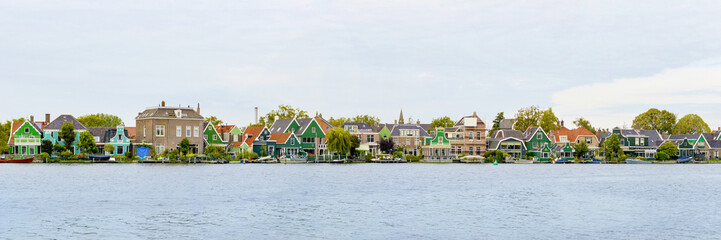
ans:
x=581 y=122
x=612 y=146
x=339 y=121
x=581 y=149
x=662 y=156
x=668 y=148
x=549 y=121
x=184 y=146
x=527 y=117
x=214 y=120
x=441 y=122
x=386 y=145
x=496 y=123
x=100 y=120
x=355 y=143
x=495 y=156
x=109 y=148
x=46 y=146
x=691 y=124
x=86 y=143
x=67 y=135
x=367 y=119
x=58 y=148
x=339 y=141
x=5 y=134
x=283 y=112
x=654 y=119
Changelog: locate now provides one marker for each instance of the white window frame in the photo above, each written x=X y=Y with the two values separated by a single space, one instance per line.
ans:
x=160 y=130
x=188 y=131
x=196 y=131
x=179 y=131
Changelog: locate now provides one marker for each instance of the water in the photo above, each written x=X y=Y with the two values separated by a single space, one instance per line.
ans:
x=359 y=201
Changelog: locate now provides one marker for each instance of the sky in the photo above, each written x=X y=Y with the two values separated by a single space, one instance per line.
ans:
x=606 y=61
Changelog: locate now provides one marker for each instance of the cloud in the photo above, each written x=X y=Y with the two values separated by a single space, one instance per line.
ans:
x=696 y=88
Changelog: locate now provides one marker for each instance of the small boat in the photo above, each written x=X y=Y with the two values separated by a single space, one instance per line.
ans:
x=684 y=160
x=563 y=161
x=338 y=161
x=293 y=160
x=99 y=157
x=25 y=160
x=595 y=161
x=636 y=161
x=528 y=161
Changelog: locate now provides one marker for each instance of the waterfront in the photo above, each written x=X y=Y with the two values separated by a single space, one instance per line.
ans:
x=359 y=201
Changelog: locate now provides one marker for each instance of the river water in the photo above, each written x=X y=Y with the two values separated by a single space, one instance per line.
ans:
x=359 y=201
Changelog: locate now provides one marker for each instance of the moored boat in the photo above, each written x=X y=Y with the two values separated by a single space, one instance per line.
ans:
x=25 y=160
x=595 y=161
x=684 y=160
x=523 y=161
x=563 y=161
x=636 y=161
x=338 y=161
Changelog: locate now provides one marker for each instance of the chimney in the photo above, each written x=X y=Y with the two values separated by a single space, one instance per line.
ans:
x=474 y=114
x=395 y=121
x=256 y=115
x=47 y=118
x=32 y=119
x=418 y=123
x=561 y=123
x=162 y=104
x=198 y=108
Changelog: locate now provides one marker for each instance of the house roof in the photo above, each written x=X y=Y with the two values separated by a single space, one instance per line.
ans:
x=279 y=138
x=60 y=120
x=98 y=132
x=504 y=133
x=530 y=133
x=324 y=125
x=714 y=143
x=14 y=127
x=397 y=130
x=507 y=124
x=379 y=127
x=224 y=129
x=253 y=131
x=461 y=122
x=169 y=112
x=494 y=142
x=131 y=132
x=303 y=123
x=572 y=135
x=280 y=125
x=362 y=127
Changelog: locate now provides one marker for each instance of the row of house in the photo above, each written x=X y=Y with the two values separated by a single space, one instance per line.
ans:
x=164 y=127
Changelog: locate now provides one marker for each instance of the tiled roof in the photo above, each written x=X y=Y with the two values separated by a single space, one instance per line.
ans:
x=361 y=126
x=280 y=125
x=58 y=123
x=169 y=112
x=254 y=131
x=15 y=126
x=714 y=143
x=461 y=122
x=572 y=135
x=99 y=132
x=324 y=125
x=131 y=131
x=279 y=138
x=396 y=131
x=224 y=129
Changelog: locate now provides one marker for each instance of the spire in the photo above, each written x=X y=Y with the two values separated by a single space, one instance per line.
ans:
x=400 y=119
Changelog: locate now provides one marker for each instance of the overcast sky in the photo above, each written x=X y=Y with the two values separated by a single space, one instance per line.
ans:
x=605 y=61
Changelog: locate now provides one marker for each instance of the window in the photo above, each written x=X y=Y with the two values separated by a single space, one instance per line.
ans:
x=637 y=141
x=120 y=150
x=205 y=137
x=27 y=130
x=370 y=138
x=538 y=136
x=187 y=131
x=215 y=137
x=159 y=148
x=235 y=138
x=478 y=135
x=120 y=137
x=143 y=131
x=292 y=141
x=32 y=149
x=588 y=140
x=535 y=145
x=478 y=150
x=470 y=135
x=312 y=130
x=196 y=131
x=408 y=141
x=563 y=138
x=160 y=130
x=178 y=131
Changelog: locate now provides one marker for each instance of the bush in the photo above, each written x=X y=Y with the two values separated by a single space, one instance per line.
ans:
x=641 y=158
x=413 y=158
x=662 y=156
x=495 y=155
x=44 y=156
x=66 y=154
x=129 y=155
x=368 y=157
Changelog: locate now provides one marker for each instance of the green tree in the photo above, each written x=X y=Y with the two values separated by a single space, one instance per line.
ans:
x=109 y=148
x=495 y=155
x=611 y=147
x=263 y=152
x=86 y=143
x=184 y=146
x=338 y=121
x=67 y=135
x=528 y=117
x=549 y=121
x=443 y=122
x=367 y=119
x=5 y=131
x=580 y=149
x=46 y=146
x=691 y=124
x=662 y=156
x=668 y=148
x=339 y=141
x=355 y=143
x=496 y=123
x=581 y=122
x=100 y=120
x=214 y=120
x=654 y=119
x=58 y=148
x=283 y=112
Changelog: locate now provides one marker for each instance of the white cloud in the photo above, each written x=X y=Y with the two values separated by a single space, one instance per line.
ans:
x=615 y=103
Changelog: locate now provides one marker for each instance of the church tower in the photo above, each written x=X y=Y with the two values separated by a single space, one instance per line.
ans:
x=400 y=120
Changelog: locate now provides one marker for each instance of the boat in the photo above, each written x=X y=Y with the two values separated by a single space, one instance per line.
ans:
x=524 y=161
x=293 y=160
x=563 y=161
x=595 y=161
x=636 y=161
x=99 y=157
x=684 y=160
x=25 y=160
x=338 y=161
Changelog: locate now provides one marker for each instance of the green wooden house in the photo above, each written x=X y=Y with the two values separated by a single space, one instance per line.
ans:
x=538 y=144
x=563 y=150
x=25 y=138
x=286 y=144
x=212 y=137
x=438 y=148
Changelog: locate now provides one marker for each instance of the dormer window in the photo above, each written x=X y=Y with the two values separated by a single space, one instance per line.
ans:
x=563 y=138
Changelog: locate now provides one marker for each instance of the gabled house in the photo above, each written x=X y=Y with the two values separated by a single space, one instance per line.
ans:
x=285 y=126
x=50 y=132
x=438 y=148
x=287 y=144
x=25 y=138
x=312 y=132
x=538 y=143
x=410 y=137
x=468 y=136
x=212 y=137
x=564 y=137
x=229 y=133
x=636 y=142
x=507 y=140
x=364 y=132
x=257 y=138
x=695 y=145
x=384 y=131
x=117 y=137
